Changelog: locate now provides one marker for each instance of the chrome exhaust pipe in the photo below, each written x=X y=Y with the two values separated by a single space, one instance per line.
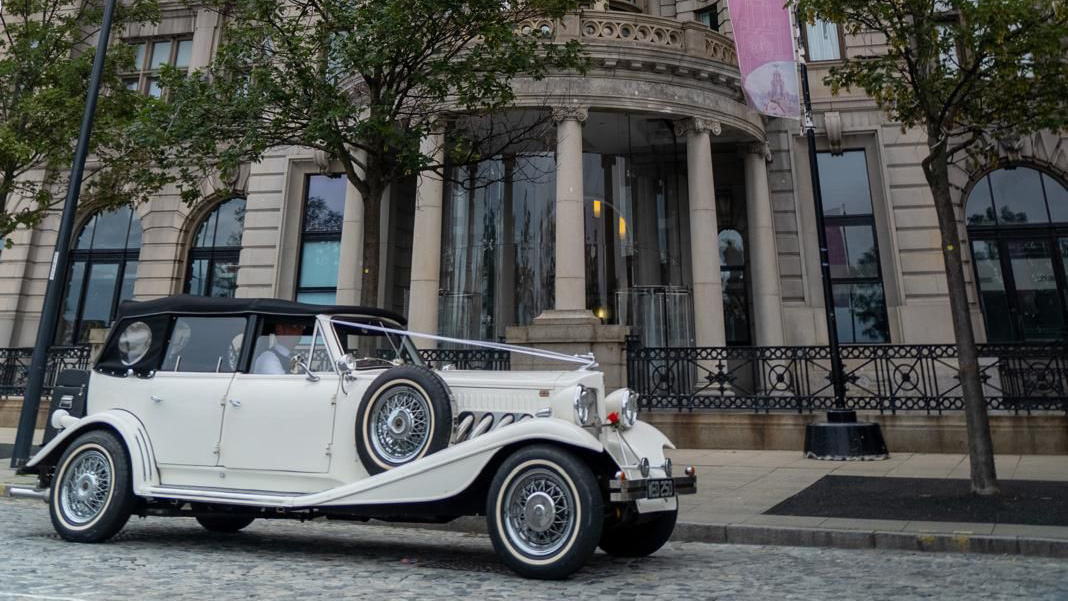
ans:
x=27 y=493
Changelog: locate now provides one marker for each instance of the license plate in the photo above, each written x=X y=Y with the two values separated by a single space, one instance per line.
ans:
x=659 y=489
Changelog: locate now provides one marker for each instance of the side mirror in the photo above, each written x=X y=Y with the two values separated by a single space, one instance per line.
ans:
x=297 y=363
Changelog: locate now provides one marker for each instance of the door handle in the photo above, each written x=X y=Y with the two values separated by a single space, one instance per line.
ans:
x=158 y=399
x=235 y=402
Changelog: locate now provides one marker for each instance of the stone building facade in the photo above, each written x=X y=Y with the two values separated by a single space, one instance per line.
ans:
x=661 y=205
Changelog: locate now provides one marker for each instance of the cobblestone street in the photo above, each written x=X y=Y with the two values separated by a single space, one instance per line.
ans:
x=172 y=558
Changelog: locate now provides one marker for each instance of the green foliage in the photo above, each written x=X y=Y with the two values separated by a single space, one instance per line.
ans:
x=46 y=55
x=363 y=82
x=963 y=70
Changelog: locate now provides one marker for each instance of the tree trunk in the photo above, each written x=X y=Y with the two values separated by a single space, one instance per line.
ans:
x=372 y=213
x=980 y=446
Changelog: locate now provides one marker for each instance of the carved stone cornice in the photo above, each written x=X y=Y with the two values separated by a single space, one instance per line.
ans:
x=698 y=125
x=571 y=113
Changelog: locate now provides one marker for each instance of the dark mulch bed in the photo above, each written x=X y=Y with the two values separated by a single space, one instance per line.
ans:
x=1034 y=502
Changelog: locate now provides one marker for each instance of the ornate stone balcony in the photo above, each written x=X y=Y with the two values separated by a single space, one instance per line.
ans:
x=658 y=43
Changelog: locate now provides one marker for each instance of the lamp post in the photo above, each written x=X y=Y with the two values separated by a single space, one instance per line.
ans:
x=46 y=332
x=841 y=437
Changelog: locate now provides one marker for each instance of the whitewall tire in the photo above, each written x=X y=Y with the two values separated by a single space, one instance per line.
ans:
x=91 y=497
x=545 y=512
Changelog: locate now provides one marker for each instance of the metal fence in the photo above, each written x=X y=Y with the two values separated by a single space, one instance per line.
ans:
x=15 y=367
x=884 y=378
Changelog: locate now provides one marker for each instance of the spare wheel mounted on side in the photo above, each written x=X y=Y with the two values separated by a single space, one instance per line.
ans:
x=405 y=415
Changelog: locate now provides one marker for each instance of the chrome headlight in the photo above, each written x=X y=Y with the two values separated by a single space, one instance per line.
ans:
x=585 y=405
x=628 y=409
x=622 y=407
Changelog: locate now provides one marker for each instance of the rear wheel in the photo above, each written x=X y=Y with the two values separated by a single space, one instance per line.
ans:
x=641 y=538
x=224 y=523
x=545 y=512
x=92 y=497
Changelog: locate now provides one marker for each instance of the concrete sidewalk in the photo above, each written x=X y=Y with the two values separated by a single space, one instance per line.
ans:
x=735 y=488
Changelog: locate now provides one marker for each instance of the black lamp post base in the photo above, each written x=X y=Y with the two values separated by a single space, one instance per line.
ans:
x=843 y=438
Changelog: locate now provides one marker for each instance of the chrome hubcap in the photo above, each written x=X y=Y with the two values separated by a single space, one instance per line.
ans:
x=400 y=424
x=86 y=486
x=539 y=512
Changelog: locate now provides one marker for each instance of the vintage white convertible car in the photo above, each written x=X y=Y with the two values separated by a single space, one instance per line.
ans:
x=228 y=410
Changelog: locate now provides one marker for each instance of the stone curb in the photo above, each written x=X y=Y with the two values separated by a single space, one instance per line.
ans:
x=743 y=534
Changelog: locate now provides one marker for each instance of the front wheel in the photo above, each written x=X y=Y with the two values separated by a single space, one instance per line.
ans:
x=640 y=539
x=92 y=497
x=545 y=512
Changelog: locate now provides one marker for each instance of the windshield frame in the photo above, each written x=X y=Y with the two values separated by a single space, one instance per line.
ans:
x=406 y=345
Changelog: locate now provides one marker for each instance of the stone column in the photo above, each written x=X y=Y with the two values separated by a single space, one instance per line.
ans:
x=763 y=260
x=426 y=246
x=570 y=217
x=350 y=262
x=704 y=232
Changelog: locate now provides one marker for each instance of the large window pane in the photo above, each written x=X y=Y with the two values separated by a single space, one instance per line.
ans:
x=860 y=310
x=851 y=251
x=161 y=54
x=1038 y=300
x=319 y=263
x=71 y=300
x=1018 y=196
x=129 y=278
x=991 y=284
x=980 y=204
x=1057 y=198
x=844 y=183
x=822 y=38
x=324 y=208
x=111 y=229
x=184 y=54
x=99 y=297
x=197 y=283
x=231 y=223
x=317 y=298
x=224 y=279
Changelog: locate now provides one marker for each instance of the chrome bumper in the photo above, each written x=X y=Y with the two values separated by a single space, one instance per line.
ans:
x=633 y=490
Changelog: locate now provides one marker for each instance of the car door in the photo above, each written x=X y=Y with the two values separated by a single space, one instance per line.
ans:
x=282 y=422
x=183 y=411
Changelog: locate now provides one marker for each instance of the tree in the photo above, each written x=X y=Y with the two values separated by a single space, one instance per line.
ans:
x=363 y=82
x=45 y=60
x=967 y=74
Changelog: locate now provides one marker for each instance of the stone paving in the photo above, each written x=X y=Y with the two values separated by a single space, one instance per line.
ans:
x=173 y=558
x=737 y=487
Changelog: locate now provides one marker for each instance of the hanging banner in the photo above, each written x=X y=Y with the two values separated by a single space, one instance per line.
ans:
x=764 y=39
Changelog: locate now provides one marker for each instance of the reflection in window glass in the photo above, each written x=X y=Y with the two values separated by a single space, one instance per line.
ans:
x=204 y=344
x=216 y=251
x=1018 y=196
x=320 y=253
x=852 y=247
x=1020 y=257
x=102 y=273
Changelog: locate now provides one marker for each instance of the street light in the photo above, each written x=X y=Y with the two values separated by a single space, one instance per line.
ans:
x=46 y=332
x=841 y=436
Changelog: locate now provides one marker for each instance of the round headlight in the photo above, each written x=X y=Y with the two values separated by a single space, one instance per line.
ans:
x=585 y=405
x=134 y=342
x=628 y=409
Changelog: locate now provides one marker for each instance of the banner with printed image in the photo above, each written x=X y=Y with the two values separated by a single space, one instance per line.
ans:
x=764 y=39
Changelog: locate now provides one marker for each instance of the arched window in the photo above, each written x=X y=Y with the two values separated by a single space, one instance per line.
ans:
x=1018 y=225
x=103 y=268
x=216 y=251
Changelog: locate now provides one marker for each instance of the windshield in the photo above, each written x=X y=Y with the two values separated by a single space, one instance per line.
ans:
x=367 y=348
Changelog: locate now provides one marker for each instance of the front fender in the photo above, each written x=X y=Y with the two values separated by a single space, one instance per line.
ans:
x=628 y=447
x=125 y=425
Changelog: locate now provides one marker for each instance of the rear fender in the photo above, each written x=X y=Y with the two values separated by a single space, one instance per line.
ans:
x=127 y=427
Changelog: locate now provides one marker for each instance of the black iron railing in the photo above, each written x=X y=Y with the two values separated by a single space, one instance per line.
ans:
x=15 y=366
x=884 y=378
x=486 y=359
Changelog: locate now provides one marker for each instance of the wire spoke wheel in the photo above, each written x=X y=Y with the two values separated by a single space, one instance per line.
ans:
x=539 y=512
x=86 y=487
x=400 y=424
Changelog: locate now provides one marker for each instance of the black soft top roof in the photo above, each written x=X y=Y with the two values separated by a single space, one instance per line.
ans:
x=206 y=305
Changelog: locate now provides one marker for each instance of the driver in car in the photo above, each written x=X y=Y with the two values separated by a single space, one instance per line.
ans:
x=275 y=359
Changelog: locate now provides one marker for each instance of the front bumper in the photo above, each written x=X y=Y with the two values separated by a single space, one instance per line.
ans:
x=623 y=490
